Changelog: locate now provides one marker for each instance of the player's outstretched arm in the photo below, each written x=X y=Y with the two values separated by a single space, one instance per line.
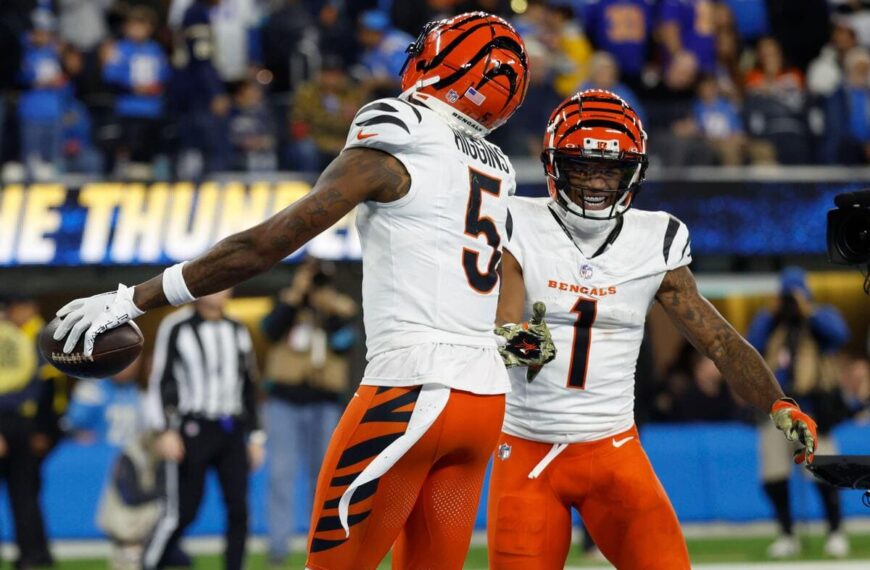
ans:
x=356 y=175
x=740 y=364
x=709 y=332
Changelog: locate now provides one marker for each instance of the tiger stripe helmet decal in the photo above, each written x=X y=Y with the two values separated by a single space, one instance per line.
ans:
x=472 y=68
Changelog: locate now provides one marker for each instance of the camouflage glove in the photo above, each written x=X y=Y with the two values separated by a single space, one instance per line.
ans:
x=528 y=344
x=797 y=426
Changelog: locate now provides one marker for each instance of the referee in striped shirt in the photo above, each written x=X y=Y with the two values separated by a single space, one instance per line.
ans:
x=201 y=396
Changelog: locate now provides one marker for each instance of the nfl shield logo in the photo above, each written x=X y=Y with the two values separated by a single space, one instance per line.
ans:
x=504 y=451
x=452 y=96
x=586 y=271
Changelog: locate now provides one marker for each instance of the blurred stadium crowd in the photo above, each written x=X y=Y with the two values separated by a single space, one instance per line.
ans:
x=159 y=89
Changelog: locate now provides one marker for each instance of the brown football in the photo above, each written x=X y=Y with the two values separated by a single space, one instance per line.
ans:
x=114 y=350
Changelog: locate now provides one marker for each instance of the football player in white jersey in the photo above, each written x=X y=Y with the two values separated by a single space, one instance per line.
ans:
x=407 y=461
x=569 y=439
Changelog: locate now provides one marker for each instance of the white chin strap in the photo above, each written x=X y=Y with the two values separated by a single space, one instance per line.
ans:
x=455 y=118
x=585 y=228
x=586 y=213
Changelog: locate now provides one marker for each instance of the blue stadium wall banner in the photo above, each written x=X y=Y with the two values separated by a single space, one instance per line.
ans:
x=748 y=218
x=111 y=223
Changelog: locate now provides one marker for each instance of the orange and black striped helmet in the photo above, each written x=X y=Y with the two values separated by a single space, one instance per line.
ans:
x=471 y=68
x=594 y=129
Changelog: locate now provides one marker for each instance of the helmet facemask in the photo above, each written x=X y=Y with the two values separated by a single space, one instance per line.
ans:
x=593 y=185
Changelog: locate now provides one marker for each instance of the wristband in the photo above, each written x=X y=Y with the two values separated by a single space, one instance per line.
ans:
x=174 y=288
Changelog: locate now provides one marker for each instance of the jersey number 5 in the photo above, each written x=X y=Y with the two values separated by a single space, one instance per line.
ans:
x=586 y=310
x=475 y=224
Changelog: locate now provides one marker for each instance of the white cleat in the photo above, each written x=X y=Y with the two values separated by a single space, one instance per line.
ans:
x=785 y=546
x=837 y=545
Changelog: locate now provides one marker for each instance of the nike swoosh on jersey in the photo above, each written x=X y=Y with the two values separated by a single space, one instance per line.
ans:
x=621 y=442
x=362 y=136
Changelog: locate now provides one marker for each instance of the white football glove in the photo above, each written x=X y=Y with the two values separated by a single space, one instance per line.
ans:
x=94 y=315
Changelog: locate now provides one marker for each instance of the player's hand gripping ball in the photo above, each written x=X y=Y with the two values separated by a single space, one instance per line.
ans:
x=797 y=426
x=528 y=344
x=94 y=337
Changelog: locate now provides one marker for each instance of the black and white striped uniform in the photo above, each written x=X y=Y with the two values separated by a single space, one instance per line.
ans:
x=202 y=368
x=202 y=385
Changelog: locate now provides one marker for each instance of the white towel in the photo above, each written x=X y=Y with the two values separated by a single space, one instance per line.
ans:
x=430 y=403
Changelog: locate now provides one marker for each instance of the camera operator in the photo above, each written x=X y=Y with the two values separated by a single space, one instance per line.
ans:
x=797 y=339
x=307 y=377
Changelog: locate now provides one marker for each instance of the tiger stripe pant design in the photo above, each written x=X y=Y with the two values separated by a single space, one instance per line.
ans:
x=425 y=505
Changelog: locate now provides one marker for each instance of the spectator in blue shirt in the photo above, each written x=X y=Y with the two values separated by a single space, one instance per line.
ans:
x=688 y=25
x=106 y=410
x=236 y=28
x=750 y=17
x=41 y=105
x=383 y=53
x=717 y=121
x=717 y=117
x=858 y=96
x=622 y=28
x=847 y=130
x=252 y=131
x=200 y=97
x=80 y=155
x=138 y=69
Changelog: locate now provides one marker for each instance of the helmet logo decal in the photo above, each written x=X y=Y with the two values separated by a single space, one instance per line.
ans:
x=611 y=145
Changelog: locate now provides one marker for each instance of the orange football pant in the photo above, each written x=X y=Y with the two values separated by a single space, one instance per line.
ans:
x=618 y=495
x=426 y=503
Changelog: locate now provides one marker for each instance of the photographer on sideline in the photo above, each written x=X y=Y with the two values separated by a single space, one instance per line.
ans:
x=307 y=377
x=797 y=339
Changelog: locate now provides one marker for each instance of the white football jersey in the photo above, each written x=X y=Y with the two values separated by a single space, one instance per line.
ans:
x=430 y=258
x=596 y=310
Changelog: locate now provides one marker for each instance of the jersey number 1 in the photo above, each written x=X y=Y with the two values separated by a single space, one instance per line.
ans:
x=586 y=310
x=476 y=225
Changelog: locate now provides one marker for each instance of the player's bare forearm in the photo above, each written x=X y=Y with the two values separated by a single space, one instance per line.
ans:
x=356 y=175
x=512 y=294
x=709 y=332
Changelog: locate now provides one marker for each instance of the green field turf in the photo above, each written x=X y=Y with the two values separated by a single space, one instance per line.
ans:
x=702 y=550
